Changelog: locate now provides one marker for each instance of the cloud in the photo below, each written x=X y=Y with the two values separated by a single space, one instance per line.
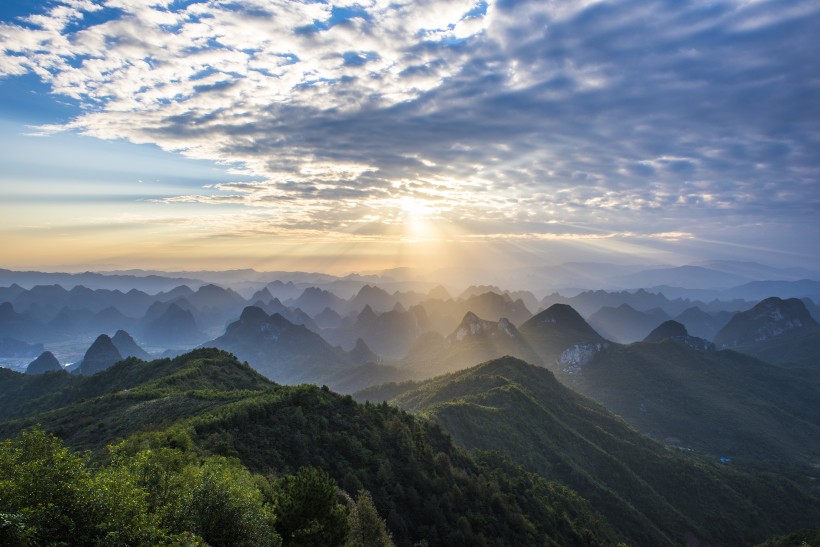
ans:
x=630 y=116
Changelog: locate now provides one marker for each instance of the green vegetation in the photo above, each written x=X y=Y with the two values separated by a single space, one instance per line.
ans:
x=652 y=494
x=212 y=450
x=717 y=403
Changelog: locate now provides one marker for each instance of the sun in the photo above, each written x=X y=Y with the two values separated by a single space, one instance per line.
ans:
x=417 y=217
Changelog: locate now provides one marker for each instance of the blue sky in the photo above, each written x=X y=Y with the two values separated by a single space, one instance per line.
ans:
x=357 y=135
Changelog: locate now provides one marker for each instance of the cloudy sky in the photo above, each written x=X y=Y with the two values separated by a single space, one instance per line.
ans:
x=351 y=136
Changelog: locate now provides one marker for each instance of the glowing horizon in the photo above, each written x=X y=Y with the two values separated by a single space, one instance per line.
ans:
x=365 y=136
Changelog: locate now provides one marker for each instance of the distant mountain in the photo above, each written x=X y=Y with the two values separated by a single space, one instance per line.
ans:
x=18 y=325
x=561 y=337
x=150 y=283
x=377 y=298
x=328 y=319
x=313 y=300
x=390 y=333
x=653 y=495
x=171 y=325
x=473 y=341
x=690 y=277
x=282 y=351
x=759 y=290
x=775 y=330
x=46 y=362
x=128 y=347
x=11 y=347
x=101 y=355
x=702 y=324
x=625 y=324
x=444 y=316
x=719 y=403
x=676 y=332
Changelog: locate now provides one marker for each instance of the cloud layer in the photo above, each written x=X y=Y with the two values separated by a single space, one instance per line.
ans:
x=511 y=119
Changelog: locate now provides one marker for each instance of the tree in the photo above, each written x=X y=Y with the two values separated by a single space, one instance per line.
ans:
x=367 y=528
x=308 y=510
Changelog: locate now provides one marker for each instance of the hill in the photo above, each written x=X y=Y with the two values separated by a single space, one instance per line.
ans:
x=778 y=331
x=717 y=403
x=426 y=488
x=654 y=495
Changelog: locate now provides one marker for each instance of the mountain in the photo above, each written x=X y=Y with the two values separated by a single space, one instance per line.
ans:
x=170 y=325
x=702 y=324
x=151 y=283
x=313 y=300
x=428 y=490
x=652 y=494
x=474 y=340
x=375 y=297
x=758 y=290
x=561 y=337
x=281 y=350
x=626 y=324
x=128 y=347
x=716 y=403
x=11 y=347
x=328 y=319
x=18 y=325
x=101 y=355
x=676 y=332
x=775 y=330
x=690 y=277
x=46 y=362
x=391 y=333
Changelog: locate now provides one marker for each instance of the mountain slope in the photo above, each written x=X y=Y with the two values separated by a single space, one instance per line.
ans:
x=654 y=495
x=779 y=331
x=719 y=403
x=427 y=488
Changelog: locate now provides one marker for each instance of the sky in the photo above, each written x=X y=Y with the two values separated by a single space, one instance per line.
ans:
x=357 y=136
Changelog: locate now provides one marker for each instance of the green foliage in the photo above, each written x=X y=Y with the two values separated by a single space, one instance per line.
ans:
x=51 y=495
x=654 y=495
x=308 y=509
x=367 y=528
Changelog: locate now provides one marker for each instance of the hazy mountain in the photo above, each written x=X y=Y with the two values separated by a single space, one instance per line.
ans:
x=719 y=403
x=626 y=324
x=11 y=347
x=18 y=325
x=128 y=347
x=170 y=325
x=676 y=332
x=473 y=341
x=377 y=298
x=561 y=338
x=282 y=351
x=101 y=355
x=759 y=290
x=328 y=319
x=775 y=330
x=46 y=362
x=124 y=282
x=653 y=495
x=313 y=300
x=702 y=324
x=444 y=316
x=690 y=277
x=390 y=333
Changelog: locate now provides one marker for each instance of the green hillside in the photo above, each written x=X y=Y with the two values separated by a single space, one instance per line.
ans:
x=654 y=495
x=717 y=403
x=206 y=405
